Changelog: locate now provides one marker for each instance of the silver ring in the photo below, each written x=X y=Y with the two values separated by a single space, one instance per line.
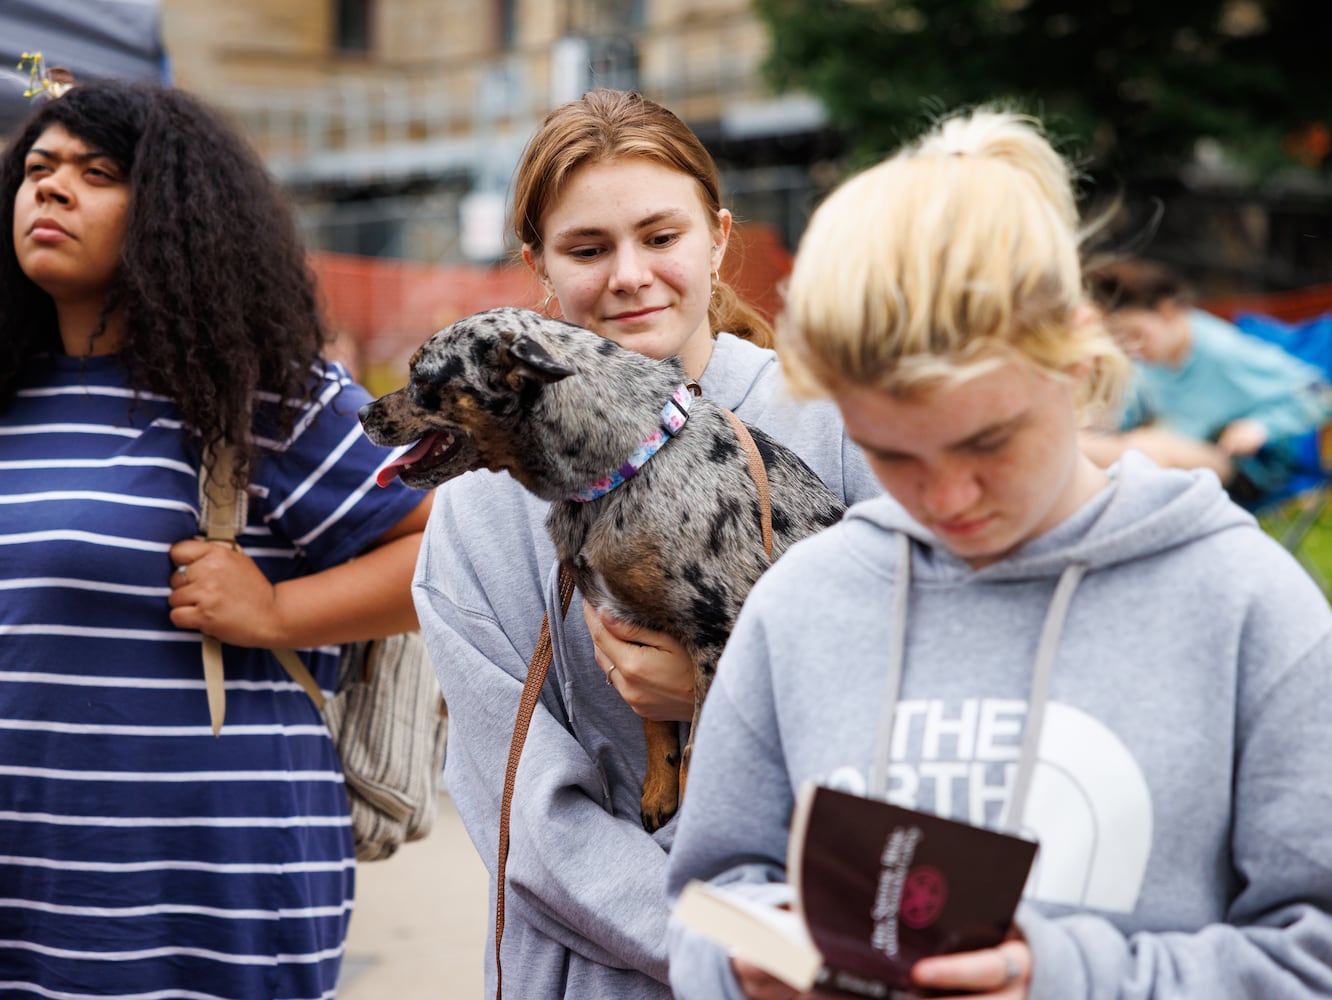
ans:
x=180 y=571
x=1011 y=969
x=608 y=674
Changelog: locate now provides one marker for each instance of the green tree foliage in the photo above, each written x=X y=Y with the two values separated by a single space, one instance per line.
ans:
x=1134 y=84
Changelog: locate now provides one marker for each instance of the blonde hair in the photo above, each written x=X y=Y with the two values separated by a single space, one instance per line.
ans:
x=958 y=253
x=607 y=125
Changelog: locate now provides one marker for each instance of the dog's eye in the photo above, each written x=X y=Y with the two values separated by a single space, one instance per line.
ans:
x=425 y=395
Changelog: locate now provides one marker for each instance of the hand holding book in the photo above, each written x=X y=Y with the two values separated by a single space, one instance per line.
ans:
x=999 y=973
x=878 y=888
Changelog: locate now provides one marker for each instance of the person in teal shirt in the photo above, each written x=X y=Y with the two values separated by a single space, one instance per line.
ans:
x=1204 y=394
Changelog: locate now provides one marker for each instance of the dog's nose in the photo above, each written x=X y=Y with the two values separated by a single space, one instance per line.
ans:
x=364 y=412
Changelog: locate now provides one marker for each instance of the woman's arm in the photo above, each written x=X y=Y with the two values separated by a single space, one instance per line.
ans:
x=580 y=877
x=1166 y=448
x=357 y=543
x=736 y=814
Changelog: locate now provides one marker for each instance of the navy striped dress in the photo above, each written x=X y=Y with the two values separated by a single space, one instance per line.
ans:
x=140 y=856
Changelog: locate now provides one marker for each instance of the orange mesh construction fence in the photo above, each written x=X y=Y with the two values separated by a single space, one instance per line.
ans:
x=381 y=310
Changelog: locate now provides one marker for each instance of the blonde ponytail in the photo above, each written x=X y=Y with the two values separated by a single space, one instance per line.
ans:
x=957 y=253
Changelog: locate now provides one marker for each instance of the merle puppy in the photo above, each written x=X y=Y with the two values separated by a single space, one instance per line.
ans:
x=653 y=510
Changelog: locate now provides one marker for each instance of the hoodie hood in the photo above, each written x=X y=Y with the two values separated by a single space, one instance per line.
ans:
x=736 y=369
x=1144 y=511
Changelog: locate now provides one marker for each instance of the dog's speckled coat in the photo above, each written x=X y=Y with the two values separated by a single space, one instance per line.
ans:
x=675 y=548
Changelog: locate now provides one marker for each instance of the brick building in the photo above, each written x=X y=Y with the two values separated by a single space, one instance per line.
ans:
x=396 y=124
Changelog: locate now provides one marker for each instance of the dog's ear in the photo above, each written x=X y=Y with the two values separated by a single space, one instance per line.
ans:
x=531 y=360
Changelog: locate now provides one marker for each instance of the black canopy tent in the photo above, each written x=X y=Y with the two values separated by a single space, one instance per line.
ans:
x=95 y=39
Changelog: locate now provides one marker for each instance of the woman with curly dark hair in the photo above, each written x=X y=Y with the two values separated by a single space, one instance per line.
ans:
x=155 y=302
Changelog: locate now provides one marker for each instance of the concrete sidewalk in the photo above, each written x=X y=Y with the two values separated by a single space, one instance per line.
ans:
x=419 y=928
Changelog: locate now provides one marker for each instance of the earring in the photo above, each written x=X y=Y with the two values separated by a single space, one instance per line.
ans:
x=716 y=283
x=545 y=303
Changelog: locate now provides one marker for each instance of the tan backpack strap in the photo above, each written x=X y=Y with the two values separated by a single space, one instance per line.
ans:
x=301 y=675
x=759 y=473
x=222 y=508
x=213 y=683
x=536 y=677
x=222 y=515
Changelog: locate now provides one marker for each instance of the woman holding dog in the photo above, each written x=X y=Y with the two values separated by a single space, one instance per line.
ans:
x=619 y=215
x=1126 y=646
x=155 y=300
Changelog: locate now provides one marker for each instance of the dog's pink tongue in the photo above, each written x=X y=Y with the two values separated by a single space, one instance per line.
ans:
x=417 y=451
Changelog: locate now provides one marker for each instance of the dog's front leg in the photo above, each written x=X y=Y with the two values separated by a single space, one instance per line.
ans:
x=705 y=668
x=661 y=785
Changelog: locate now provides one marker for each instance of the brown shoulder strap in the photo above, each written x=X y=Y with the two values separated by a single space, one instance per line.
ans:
x=536 y=677
x=222 y=516
x=757 y=472
x=540 y=665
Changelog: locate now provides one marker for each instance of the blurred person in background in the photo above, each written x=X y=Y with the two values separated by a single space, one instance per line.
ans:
x=1205 y=395
x=155 y=303
x=1123 y=667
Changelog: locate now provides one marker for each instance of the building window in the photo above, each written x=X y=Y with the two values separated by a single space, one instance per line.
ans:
x=506 y=24
x=351 y=25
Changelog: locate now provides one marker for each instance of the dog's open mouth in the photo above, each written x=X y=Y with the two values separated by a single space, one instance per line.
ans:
x=430 y=451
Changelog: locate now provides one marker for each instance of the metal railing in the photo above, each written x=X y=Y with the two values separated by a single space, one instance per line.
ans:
x=472 y=118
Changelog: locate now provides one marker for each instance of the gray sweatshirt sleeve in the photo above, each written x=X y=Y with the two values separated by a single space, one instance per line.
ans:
x=726 y=838
x=563 y=841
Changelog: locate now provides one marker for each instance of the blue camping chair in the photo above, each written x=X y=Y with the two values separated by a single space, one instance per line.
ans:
x=1291 y=512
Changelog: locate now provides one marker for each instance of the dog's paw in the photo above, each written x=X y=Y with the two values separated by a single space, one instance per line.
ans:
x=661 y=795
x=653 y=818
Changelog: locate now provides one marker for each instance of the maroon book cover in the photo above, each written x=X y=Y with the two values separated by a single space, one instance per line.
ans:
x=881 y=886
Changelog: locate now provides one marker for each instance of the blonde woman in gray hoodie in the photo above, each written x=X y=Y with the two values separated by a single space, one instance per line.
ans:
x=1117 y=663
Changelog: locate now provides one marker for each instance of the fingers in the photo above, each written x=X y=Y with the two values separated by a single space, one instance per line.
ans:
x=600 y=639
x=655 y=680
x=1242 y=437
x=609 y=648
x=756 y=984
x=999 y=972
x=181 y=555
x=625 y=631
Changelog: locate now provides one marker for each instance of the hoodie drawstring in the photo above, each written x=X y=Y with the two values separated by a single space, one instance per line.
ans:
x=1055 y=616
x=883 y=748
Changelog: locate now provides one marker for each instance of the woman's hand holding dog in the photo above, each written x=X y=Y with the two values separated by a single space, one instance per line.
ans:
x=650 y=670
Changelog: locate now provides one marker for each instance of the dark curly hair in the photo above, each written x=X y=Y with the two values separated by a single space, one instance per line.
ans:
x=217 y=296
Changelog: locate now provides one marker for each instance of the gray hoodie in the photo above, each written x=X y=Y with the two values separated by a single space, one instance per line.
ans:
x=586 y=907
x=1181 y=776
